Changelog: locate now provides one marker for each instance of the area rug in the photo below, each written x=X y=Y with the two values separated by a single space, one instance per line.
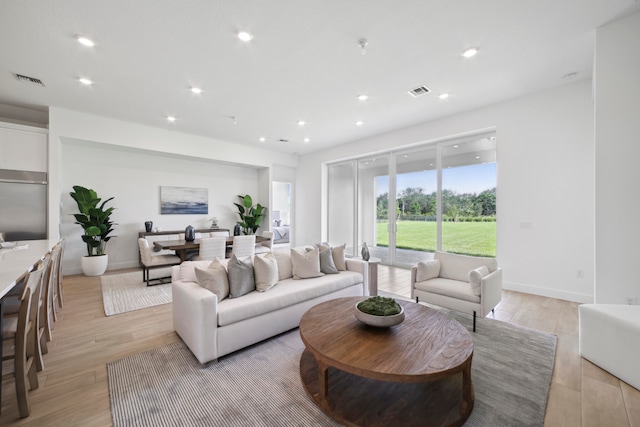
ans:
x=127 y=292
x=260 y=385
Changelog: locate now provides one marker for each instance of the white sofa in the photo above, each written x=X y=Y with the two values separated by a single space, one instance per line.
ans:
x=610 y=338
x=212 y=328
x=458 y=282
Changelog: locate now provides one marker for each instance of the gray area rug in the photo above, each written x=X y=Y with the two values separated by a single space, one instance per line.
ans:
x=127 y=292
x=260 y=385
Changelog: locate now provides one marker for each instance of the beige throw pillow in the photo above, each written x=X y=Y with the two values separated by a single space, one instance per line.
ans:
x=337 y=252
x=285 y=268
x=214 y=279
x=475 y=278
x=428 y=270
x=306 y=264
x=265 y=270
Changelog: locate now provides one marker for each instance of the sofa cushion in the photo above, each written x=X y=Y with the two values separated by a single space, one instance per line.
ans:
x=214 y=279
x=286 y=293
x=265 y=270
x=337 y=252
x=475 y=279
x=306 y=263
x=457 y=267
x=285 y=268
x=427 y=270
x=241 y=280
x=327 y=266
x=188 y=269
x=450 y=288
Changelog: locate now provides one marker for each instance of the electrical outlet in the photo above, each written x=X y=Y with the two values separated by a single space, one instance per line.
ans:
x=580 y=274
x=632 y=301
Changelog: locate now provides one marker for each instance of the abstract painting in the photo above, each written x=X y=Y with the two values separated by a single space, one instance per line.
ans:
x=184 y=200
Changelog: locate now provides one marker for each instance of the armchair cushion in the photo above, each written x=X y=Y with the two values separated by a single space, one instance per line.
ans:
x=427 y=270
x=475 y=278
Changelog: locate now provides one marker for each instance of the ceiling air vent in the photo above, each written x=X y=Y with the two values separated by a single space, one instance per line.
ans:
x=283 y=140
x=420 y=90
x=28 y=79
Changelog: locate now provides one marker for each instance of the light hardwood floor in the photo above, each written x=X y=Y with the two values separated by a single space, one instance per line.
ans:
x=74 y=391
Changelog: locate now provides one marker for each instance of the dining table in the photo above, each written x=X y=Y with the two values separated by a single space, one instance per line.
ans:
x=182 y=247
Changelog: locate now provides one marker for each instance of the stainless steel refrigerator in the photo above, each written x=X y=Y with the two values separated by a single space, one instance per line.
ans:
x=23 y=205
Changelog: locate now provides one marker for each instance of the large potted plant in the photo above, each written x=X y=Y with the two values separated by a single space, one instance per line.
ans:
x=250 y=215
x=95 y=220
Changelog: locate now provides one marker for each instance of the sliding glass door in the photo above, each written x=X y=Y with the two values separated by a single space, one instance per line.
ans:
x=407 y=204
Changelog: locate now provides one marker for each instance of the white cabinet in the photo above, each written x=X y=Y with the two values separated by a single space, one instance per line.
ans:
x=23 y=147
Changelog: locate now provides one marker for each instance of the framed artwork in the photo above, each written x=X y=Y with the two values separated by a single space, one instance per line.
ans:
x=184 y=200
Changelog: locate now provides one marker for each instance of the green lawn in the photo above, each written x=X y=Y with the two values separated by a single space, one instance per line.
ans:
x=471 y=238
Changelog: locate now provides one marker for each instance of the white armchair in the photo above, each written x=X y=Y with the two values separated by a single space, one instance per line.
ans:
x=463 y=283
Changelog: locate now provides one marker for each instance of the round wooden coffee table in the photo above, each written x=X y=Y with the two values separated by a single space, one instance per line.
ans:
x=414 y=373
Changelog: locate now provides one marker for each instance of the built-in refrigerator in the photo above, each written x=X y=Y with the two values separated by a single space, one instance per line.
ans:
x=23 y=205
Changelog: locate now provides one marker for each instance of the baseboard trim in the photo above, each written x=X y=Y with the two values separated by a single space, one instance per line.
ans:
x=548 y=292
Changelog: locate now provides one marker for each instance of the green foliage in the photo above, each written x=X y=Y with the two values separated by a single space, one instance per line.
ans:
x=94 y=219
x=250 y=215
x=379 y=306
x=413 y=202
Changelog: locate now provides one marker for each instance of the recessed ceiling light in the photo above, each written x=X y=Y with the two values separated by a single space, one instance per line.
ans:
x=472 y=51
x=359 y=123
x=456 y=146
x=262 y=139
x=85 y=81
x=301 y=123
x=245 y=36
x=363 y=97
x=477 y=157
x=306 y=140
x=171 y=119
x=443 y=96
x=85 y=41
x=196 y=90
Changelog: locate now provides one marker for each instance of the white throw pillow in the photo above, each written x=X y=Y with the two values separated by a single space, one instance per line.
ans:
x=214 y=279
x=285 y=268
x=265 y=270
x=306 y=264
x=475 y=277
x=337 y=252
x=428 y=270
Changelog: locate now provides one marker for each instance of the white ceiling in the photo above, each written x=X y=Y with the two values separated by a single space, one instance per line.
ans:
x=304 y=62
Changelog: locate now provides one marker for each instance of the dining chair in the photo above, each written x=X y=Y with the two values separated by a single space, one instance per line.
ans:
x=266 y=246
x=150 y=262
x=223 y=233
x=244 y=245
x=58 y=295
x=22 y=331
x=51 y=289
x=41 y=323
x=210 y=248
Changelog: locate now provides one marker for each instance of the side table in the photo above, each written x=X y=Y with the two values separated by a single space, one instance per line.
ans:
x=373 y=274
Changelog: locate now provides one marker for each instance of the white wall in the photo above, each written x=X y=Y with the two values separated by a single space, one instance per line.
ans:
x=131 y=162
x=545 y=178
x=617 y=142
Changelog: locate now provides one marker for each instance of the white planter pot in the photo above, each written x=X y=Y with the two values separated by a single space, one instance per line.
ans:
x=95 y=265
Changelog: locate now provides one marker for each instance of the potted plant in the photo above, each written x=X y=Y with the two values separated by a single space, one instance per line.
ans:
x=379 y=311
x=250 y=215
x=95 y=220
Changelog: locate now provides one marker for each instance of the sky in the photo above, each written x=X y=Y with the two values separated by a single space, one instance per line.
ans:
x=467 y=179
